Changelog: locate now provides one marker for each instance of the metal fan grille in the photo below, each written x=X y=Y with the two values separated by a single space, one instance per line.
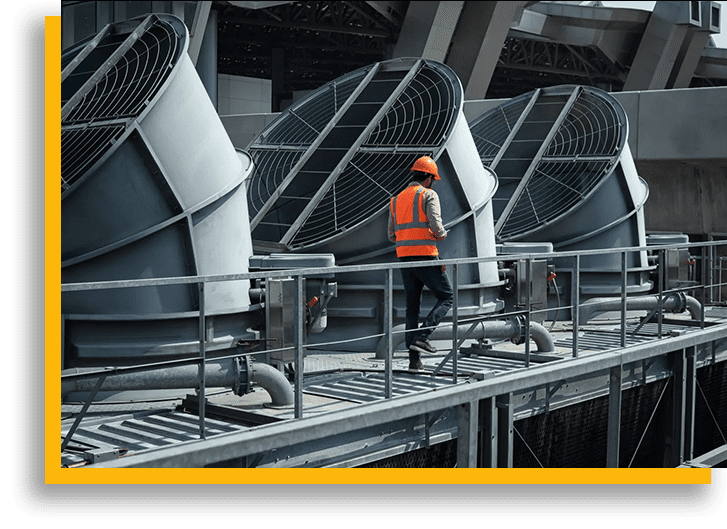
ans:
x=369 y=151
x=276 y=151
x=131 y=82
x=490 y=135
x=111 y=85
x=567 y=144
x=82 y=148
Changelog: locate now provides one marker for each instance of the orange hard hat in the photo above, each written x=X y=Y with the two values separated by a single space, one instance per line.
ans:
x=426 y=165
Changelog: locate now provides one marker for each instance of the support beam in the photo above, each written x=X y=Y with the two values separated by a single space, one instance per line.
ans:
x=467 y=416
x=675 y=423
x=488 y=433
x=505 y=431
x=478 y=41
x=613 y=438
x=199 y=26
x=695 y=42
x=690 y=402
x=663 y=37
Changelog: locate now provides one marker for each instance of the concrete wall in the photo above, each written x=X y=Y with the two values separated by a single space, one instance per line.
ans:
x=243 y=95
x=242 y=129
x=686 y=197
x=683 y=124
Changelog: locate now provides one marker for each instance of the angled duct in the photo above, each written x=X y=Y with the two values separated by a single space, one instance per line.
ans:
x=151 y=188
x=567 y=177
x=327 y=167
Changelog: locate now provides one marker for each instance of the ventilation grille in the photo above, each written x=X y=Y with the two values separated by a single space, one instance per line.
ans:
x=82 y=148
x=550 y=150
x=112 y=84
x=334 y=160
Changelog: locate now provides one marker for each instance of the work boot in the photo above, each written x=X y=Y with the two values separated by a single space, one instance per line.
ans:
x=423 y=346
x=415 y=364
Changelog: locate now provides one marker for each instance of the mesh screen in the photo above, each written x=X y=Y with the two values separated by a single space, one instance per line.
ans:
x=442 y=455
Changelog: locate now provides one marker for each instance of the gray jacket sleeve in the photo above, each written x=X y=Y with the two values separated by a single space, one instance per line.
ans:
x=433 y=211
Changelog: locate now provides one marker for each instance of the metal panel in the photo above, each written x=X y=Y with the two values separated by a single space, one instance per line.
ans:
x=327 y=167
x=567 y=177
x=151 y=187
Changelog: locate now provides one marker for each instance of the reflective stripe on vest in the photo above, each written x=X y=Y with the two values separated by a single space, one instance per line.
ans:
x=411 y=225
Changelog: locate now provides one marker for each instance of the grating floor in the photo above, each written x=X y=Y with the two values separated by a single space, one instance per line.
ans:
x=332 y=381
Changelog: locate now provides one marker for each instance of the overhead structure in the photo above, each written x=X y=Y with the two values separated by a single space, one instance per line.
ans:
x=327 y=167
x=151 y=188
x=567 y=177
x=672 y=44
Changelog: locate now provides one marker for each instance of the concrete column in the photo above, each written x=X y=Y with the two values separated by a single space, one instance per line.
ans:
x=695 y=41
x=427 y=30
x=659 y=48
x=478 y=41
x=207 y=59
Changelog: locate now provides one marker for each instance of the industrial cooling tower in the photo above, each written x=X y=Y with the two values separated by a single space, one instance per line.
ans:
x=152 y=187
x=327 y=167
x=567 y=177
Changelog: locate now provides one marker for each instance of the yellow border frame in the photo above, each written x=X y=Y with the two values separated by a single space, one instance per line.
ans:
x=56 y=475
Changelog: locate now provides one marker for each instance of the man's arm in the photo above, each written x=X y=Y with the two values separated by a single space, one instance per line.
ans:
x=433 y=211
x=392 y=233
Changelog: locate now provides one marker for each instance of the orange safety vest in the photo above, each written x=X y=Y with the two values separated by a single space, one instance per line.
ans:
x=413 y=235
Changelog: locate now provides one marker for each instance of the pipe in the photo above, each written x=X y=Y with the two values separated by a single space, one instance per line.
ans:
x=513 y=328
x=233 y=373
x=274 y=382
x=675 y=303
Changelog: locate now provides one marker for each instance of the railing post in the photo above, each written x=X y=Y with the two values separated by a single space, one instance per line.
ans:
x=528 y=282
x=201 y=393
x=711 y=274
x=300 y=325
x=704 y=286
x=624 y=261
x=690 y=402
x=455 y=319
x=575 y=302
x=660 y=315
x=388 y=324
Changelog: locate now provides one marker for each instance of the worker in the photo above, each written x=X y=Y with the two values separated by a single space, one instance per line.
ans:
x=415 y=225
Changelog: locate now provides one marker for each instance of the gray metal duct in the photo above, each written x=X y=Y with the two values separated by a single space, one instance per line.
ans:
x=511 y=329
x=151 y=188
x=326 y=168
x=567 y=176
x=233 y=373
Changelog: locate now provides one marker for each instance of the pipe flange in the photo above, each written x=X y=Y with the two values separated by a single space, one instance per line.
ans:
x=681 y=305
x=243 y=382
x=518 y=336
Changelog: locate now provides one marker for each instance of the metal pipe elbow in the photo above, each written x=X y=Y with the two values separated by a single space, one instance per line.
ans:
x=274 y=382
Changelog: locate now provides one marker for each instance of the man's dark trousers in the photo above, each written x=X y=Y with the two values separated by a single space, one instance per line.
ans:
x=415 y=279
